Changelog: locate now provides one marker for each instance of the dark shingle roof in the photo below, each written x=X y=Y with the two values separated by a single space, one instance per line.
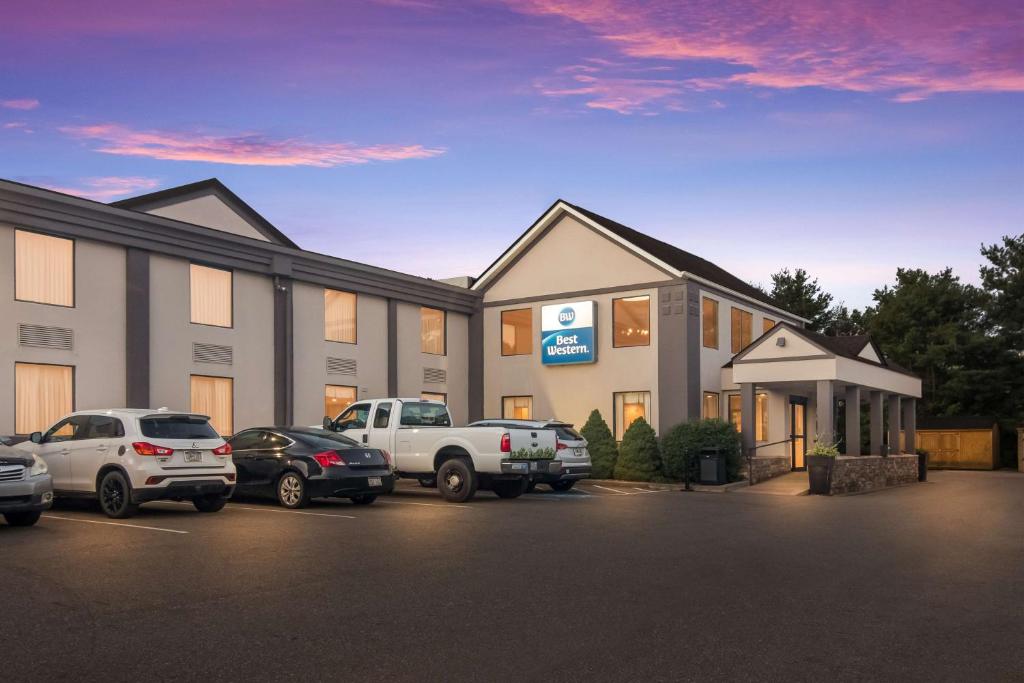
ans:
x=677 y=258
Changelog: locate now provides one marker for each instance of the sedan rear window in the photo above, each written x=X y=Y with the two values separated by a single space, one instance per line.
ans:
x=177 y=427
x=425 y=415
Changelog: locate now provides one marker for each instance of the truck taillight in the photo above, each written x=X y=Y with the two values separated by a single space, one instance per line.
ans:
x=329 y=459
x=559 y=445
x=223 y=450
x=145 y=448
x=387 y=456
x=506 y=443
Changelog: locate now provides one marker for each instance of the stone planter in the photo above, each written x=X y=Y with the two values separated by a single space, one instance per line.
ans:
x=819 y=474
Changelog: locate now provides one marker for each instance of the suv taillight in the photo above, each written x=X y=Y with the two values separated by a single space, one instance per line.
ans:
x=223 y=450
x=145 y=448
x=329 y=459
x=506 y=443
x=559 y=445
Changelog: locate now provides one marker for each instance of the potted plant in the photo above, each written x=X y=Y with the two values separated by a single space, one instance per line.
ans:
x=820 y=460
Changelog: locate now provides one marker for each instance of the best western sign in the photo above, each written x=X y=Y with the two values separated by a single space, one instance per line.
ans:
x=567 y=333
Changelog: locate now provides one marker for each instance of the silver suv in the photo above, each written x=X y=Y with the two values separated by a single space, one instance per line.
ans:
x=25 y=487
x=571 y=450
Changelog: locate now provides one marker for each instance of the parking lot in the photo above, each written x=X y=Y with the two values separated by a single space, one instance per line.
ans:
x=921 y=582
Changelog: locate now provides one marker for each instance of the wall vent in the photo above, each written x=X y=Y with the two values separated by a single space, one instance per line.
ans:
x=434 y=376
x=341 y=366
x=43 y=337
x=212 y=353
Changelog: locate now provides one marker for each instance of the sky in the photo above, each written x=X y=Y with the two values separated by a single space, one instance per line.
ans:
x=847 y=139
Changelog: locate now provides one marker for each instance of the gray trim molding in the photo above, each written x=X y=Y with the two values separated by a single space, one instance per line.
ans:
x=136 y=328
x=284 y=352
x=672 y=385
x=392 y=347
x=582 y=292
x=476 y=366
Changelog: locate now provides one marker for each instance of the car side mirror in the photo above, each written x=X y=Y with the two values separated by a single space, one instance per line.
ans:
x=328 y=424
x=36 y=437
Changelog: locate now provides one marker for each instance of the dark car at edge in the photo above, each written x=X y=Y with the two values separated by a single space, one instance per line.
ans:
x=296 y=464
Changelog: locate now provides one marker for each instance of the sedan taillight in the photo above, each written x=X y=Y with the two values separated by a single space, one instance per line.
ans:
x=145 y=448
x=329 y=459
x=223 y=450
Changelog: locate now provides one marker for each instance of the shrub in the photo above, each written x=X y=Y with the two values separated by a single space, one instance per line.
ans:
x=601 y=445
x=638 y=453
x=688 y=438
x=824 y=448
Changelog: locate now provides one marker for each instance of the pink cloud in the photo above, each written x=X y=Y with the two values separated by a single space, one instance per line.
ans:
x=17 y=125
x=908 y=50
x=107 y=187
x=248 y=149
x=22 y=104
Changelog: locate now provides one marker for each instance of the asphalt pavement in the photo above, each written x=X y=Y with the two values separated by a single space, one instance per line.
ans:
x=924 y=582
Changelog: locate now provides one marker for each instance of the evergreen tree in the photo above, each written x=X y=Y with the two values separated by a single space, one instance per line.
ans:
x=797 y=293
x=639 y=459
x=601 y=446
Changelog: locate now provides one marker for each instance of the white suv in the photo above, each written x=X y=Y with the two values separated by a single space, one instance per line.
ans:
x=125 y=457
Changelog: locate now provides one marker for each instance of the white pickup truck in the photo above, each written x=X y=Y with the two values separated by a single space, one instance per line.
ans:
x=458 y=460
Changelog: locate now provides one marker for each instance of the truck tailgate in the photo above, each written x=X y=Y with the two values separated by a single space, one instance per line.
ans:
x=532 y=444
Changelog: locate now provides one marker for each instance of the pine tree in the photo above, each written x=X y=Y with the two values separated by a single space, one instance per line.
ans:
x=639 y=459
x=601 y=445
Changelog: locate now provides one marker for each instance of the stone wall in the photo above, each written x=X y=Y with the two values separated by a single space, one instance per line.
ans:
x=857 y=474
x=768 y=466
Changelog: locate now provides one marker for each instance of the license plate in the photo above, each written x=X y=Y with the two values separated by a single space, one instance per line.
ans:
x=373 y=481
x=578 y=452
x=193 y=456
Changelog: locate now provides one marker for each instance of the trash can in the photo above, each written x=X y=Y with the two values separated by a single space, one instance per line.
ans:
x=922 y=466
x=712 y=466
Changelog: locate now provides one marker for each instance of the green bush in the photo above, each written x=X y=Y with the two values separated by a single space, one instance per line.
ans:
x=639 y=459
x=601 y=445
x=688 y=438
x=824 y=448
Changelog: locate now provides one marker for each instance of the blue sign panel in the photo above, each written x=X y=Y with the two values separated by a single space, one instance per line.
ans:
x=567 y=333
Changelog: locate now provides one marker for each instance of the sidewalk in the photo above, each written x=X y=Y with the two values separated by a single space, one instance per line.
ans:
x=792 y=484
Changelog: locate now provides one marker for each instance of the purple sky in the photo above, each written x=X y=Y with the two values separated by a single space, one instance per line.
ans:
x=845 y=138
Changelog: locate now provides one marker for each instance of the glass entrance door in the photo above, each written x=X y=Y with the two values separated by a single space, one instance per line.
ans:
x=798 y=431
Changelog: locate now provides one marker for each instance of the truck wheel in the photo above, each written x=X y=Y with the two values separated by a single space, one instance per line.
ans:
x=509 y=488
x=456 y=481
x=22 y=518
x=531 y=487
x=116 y=496
x=562 y=485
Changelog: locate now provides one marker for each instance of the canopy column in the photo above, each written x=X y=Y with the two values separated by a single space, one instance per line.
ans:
x=877 y=426
x=747 y=418
x=852 y=420
x=894 y=423
x=825 y=409
x=910 y=425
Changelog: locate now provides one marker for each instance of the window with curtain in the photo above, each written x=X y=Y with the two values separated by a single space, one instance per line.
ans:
x=337 y=398
x=432 y=396
x=517 y=407
x=339 y=316
x=42 y=395
x=760 y=415
x=432 y=337
x=711 y=410
x=742 y=322
x=517 y=332
x=736 y=411
x=211 y=295
x=709 y=322
x=767 y=324
x=214 y=396
x=631 y=321
x=630 y=405
x=44 y=269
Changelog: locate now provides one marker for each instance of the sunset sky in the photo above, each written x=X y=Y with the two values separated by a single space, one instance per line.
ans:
x=845 y=138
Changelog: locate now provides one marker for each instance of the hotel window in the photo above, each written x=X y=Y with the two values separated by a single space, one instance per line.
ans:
x=214 y=396
x=711 y=408
x=337 y=398
x=630 y=405
x=517 y=407
x=631 y=321
x=767 y=324
x=42 y=395
x=339 y=316
x=517 y=332
x=44 y=269
x=742 y=322
x=211 y=295
x=432 y=332
x=709 y=320
x=432 y=396
x=760 y=415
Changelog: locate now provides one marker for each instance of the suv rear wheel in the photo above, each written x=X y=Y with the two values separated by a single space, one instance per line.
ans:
x=364 y=499
x=210 y=503
x=562 y=485
x=22 y=518
x=116 y=496
x=509 y=488
x=456 y=481
x=291 y=490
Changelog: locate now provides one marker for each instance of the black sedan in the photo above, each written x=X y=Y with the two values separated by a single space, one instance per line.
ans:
x=295 y=464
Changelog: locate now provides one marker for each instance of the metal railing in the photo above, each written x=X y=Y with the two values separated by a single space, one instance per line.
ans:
x=749 y=455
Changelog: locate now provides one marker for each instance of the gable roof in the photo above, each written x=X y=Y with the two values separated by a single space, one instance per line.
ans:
x=210 y=186
x=671 y=259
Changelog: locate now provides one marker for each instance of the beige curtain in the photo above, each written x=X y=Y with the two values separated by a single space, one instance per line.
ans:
x=42 y=395
x=710 y=323
x=631 y=324
x=45 y=269
x=711 y=408
x=211 y=295
x=337 y=398
x=761 y=418
x=214 y=396
x=432 y=331
x=628 y=407
x=518 y=407
x=339 y=316
x=517 y=332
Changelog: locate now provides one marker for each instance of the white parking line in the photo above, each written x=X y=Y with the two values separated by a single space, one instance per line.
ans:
x=96 y=521
x=293 y=512
x=621 y=493
x=429 y=505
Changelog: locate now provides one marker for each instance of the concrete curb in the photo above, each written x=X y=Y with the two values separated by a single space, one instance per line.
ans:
x=660 y=486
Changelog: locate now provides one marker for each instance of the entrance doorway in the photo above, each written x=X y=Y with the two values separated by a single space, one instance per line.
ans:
x=798 y=431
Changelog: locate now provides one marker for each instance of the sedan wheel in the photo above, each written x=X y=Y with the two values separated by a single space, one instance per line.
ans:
x=291 y=490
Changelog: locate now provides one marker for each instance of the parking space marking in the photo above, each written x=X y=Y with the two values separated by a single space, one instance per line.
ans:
x=96 y=521
x=616 y=491
x=429 y=505
x=293 y=512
